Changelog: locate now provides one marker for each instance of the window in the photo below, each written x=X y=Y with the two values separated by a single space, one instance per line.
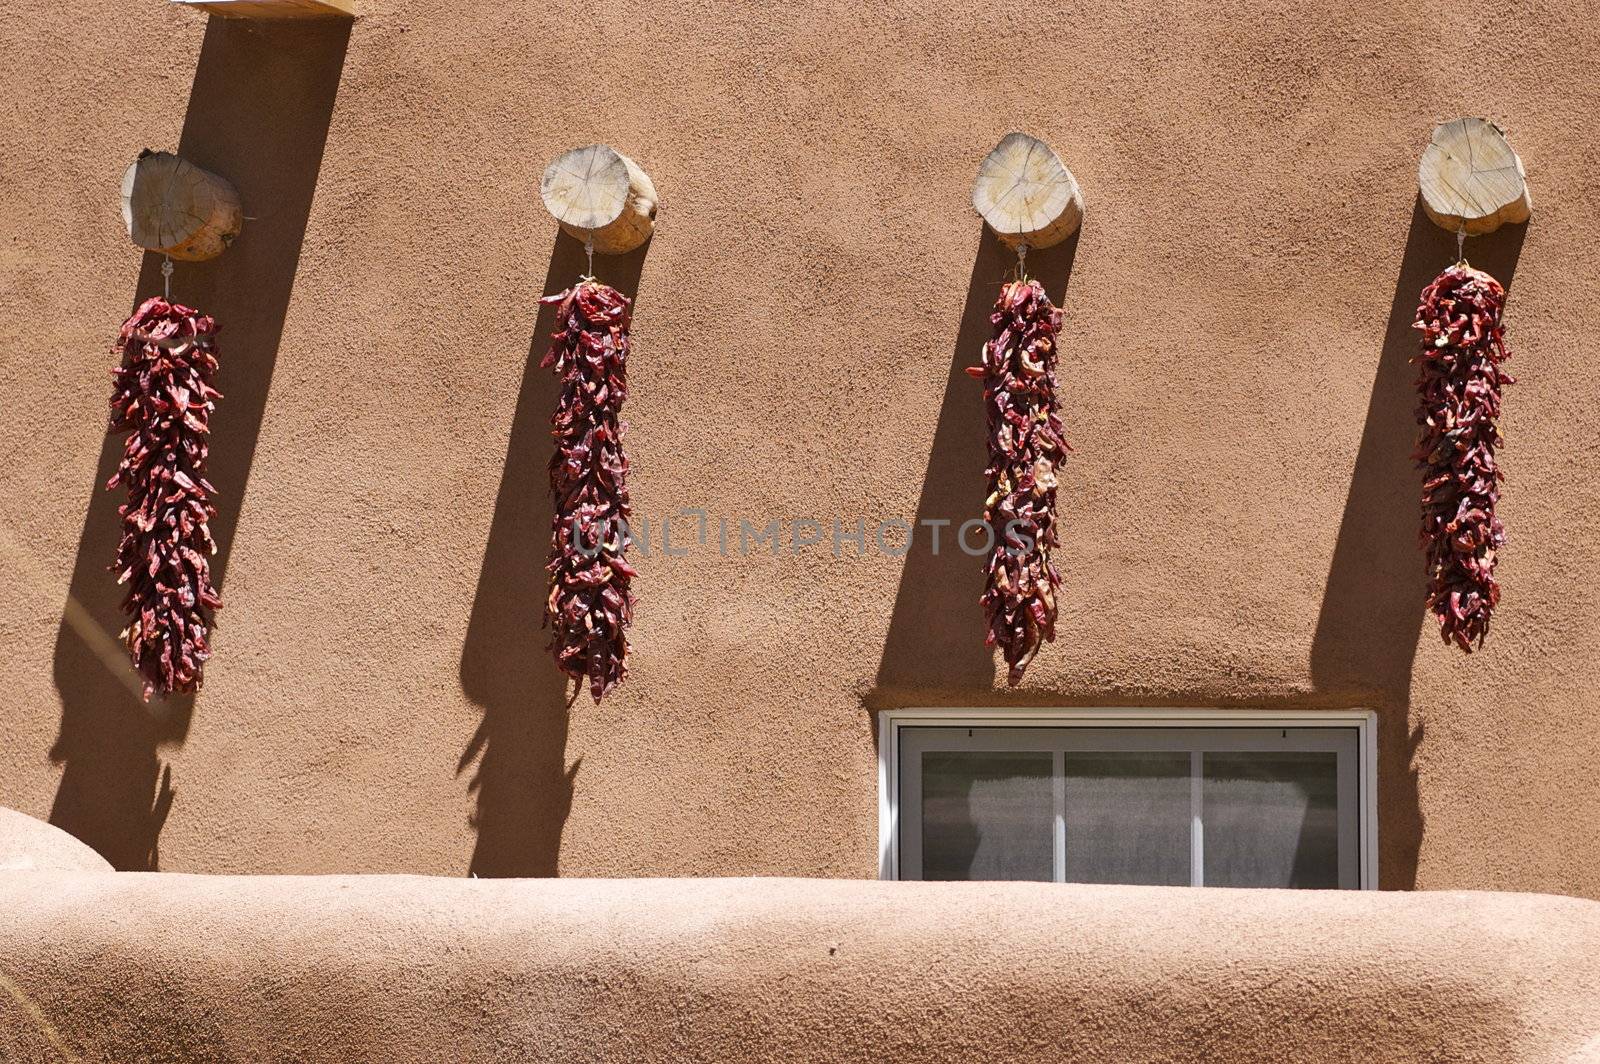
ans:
x=1179 y=797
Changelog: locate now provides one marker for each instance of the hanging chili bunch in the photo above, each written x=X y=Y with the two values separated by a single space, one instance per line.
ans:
x=1458 y=386
x=1026 y=449
x=590 y=606
x=163 y=398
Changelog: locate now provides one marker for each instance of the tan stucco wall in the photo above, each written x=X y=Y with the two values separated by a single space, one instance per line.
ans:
x=1239 y=516
x=28 y=844
x=402 y=968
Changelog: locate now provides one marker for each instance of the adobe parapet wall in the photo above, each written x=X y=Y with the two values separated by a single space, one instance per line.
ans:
x=397 y=968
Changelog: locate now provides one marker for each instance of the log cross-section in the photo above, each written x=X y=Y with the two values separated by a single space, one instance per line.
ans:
x=597 y=193
x=173 y=207
x=1470 y=178
x=1026 y=194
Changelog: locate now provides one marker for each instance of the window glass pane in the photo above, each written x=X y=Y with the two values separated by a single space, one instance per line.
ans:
x=1271 y=820
x=1127 y=818
x=987 y=816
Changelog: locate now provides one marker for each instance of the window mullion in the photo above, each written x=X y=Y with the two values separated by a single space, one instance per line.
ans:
x=1197 y=829
x=1058 y=784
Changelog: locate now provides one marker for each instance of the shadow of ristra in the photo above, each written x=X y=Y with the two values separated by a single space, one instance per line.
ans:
x=522 y=783
x=934 y=651
x=258 y=114
x=1372 y=608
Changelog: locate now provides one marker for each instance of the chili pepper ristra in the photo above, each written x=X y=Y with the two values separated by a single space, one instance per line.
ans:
x=163 y=398
x=590 y=603
x=1459 y=381
x=1026 y=449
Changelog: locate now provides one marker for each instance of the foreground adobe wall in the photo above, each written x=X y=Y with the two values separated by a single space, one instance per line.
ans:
x=402 y=969
x=1239 y=514
x=27 y=845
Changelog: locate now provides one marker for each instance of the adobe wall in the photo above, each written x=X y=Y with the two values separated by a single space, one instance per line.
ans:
x=1239 y=515
x=404 y=968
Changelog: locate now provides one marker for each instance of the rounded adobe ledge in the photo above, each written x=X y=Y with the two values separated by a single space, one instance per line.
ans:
x=27 y=844
x=415 y=969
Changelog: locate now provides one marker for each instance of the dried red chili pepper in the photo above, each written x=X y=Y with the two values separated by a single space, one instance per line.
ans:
x=590 y=605
x=163 y=398
x=1458 y=387
x=1026 y=449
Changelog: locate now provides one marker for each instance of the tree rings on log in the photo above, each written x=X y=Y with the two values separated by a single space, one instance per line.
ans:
x=1026 y=194
x=597 y=193
x=1471 y=179
x=173 y=207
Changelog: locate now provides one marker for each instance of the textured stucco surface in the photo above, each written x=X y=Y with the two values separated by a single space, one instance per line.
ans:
x=29 y=844
x=1239 y=516
x=406 y=968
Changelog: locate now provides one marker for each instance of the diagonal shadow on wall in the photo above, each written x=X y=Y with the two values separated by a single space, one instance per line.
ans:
x=1372 y=607
x=522 y=783
x=258 y=115
x=934 y=650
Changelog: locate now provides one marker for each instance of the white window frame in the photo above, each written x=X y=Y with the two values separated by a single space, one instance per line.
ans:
x=890 y=721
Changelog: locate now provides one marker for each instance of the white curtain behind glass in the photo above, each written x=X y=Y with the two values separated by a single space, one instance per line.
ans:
x=987 y=816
